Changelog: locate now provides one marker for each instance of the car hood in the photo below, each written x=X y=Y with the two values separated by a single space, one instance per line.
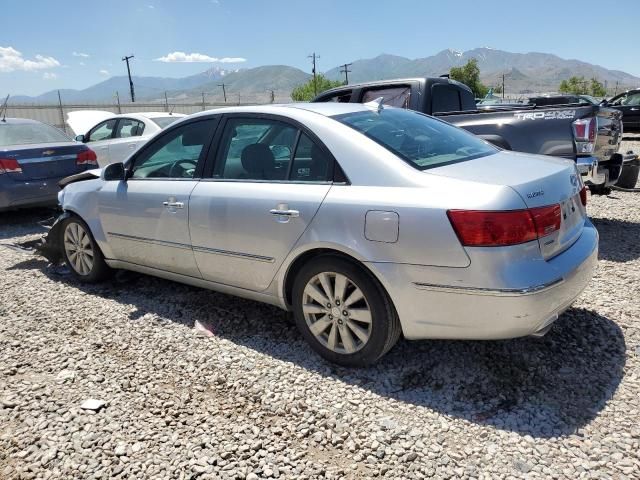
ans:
x=82 y=121
x=86 y=175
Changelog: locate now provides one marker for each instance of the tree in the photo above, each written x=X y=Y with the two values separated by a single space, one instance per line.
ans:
x=597 y=88
x=580 y=86
x=469 y=74
x=307 y=92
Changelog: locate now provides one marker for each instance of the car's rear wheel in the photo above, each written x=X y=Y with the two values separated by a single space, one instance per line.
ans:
x=343 y=312
x=81 y=253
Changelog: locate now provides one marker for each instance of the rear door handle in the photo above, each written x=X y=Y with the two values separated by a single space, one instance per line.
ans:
x=635 y=109
x=286 y=213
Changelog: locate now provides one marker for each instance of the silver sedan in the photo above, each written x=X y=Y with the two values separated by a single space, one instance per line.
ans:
x=367 y=222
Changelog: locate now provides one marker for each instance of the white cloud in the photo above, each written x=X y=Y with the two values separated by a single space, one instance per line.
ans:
x=82 y=64
x=182 y=57
x=150 y=7
x=215 y=2
x=49 y=76
x=80 y=54
x=104 y=72
x=11 y=59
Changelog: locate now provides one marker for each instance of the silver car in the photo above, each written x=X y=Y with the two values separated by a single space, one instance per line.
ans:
x=367 y=222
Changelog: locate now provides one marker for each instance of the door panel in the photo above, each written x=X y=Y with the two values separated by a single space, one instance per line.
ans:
x=146 y=222
x=237 y=239
x=121 y=148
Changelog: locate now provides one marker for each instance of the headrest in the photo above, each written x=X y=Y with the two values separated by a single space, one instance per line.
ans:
x=257 y=158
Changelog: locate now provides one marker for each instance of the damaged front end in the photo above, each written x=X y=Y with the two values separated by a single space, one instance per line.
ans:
x=50 y=246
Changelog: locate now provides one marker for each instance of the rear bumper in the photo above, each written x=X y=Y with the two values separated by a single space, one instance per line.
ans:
x=28 y=194
x=522 y=299
x=601 y=173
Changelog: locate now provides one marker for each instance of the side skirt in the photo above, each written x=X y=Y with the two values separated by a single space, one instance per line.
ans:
x=198 y=282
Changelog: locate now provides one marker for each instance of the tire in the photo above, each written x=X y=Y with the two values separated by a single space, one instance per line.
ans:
x=353 y=329
x=628 y=177
x=87 y=265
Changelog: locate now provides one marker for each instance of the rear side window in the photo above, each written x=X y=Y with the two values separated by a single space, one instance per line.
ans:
x=445 y=98
x=29 y=133
x=102 y=131
x=342 y=97
x=422 y=141
x=310 y=163
x=164 y=122
x=393 y=96
x=128 y=127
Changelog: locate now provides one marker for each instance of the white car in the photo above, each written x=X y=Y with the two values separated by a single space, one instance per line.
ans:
x=115 y=137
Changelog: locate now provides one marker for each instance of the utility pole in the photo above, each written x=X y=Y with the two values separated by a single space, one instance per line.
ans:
x=313 y=58
x=133 y=95
x=616 y=91
x=503 y=86
x=238 y=98
x=166 y=102
x=273 y=96
x=345 y=70
x=63 y=127
x=224 y=91
x=204 y=105
x=118 y=100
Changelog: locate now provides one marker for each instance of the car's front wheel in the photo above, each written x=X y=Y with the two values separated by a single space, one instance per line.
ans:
x=343 y=312
x=81 y=253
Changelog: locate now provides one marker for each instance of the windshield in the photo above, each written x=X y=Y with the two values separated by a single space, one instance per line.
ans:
x=28 y=133
x=164 y=122
x=420 y=140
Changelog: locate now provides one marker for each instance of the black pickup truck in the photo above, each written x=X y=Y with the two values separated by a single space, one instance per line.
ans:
x=588 y=134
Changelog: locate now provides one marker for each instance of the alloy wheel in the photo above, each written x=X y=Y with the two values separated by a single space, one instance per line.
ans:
x=78 y=248
x=337 y=312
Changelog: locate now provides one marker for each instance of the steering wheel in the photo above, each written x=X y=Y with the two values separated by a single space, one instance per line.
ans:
x=179 y=163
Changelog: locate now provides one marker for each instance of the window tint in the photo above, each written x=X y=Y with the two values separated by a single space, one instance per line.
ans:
x=102 y=131
x=342 y=97
x=633 y=99
x=394 y=97
x=174 y=154
x=27 y=133
x=445 y=98
x=256 y=149
x=421 y=141
x=310 y=163
x=128 y=127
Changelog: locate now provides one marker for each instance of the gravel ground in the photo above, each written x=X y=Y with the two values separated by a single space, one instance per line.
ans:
x=249 y=399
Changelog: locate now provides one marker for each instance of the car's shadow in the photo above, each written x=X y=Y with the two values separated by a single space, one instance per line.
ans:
x=27 y=221
x=542 y=387
x=619 y=240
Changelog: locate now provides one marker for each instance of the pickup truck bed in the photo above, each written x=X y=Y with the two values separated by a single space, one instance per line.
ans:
x=588 y=134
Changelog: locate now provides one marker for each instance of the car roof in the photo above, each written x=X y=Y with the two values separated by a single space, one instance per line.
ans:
x=19 y=121
x=149 y=114
x=326 y=109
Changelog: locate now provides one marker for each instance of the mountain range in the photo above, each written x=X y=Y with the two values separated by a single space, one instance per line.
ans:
x=524 y=73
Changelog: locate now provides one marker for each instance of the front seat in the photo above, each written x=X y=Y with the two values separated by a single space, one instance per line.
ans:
x=258 y=161
x=136 y=131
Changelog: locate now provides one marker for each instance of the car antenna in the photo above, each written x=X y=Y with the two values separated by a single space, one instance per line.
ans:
x=376 y=104
x=4 y=108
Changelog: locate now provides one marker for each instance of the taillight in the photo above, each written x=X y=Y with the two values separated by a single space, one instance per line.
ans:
x=476 y=228
x=87 y=157
x=9 y=165
x=585 y=131
x=583 y=196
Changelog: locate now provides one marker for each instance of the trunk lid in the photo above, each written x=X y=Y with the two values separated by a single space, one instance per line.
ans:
x=539 y=180
x=44 y=161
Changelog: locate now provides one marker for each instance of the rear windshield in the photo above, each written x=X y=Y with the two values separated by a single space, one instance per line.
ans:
x=163 y=122
x=420 y=140
x=28 y=133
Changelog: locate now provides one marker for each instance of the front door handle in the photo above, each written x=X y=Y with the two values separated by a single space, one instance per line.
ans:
x=173 y=204
x=635 y=109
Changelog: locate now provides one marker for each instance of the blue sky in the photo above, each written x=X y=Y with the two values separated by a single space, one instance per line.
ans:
x=48 y=44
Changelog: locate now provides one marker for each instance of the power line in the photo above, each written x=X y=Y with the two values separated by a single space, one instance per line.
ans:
x=133 y=95
x=313 y=57
x=346 y=71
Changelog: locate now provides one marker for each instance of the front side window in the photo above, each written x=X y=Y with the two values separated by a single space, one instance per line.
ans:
x=633 y=99
x=393 y=97
x=420 y=140
x=102 y=131
x=174 y=154
x=128 y=127
x=256 y=149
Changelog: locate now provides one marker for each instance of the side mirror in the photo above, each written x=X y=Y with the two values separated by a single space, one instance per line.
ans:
x=79 y=138
x=114 y=171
